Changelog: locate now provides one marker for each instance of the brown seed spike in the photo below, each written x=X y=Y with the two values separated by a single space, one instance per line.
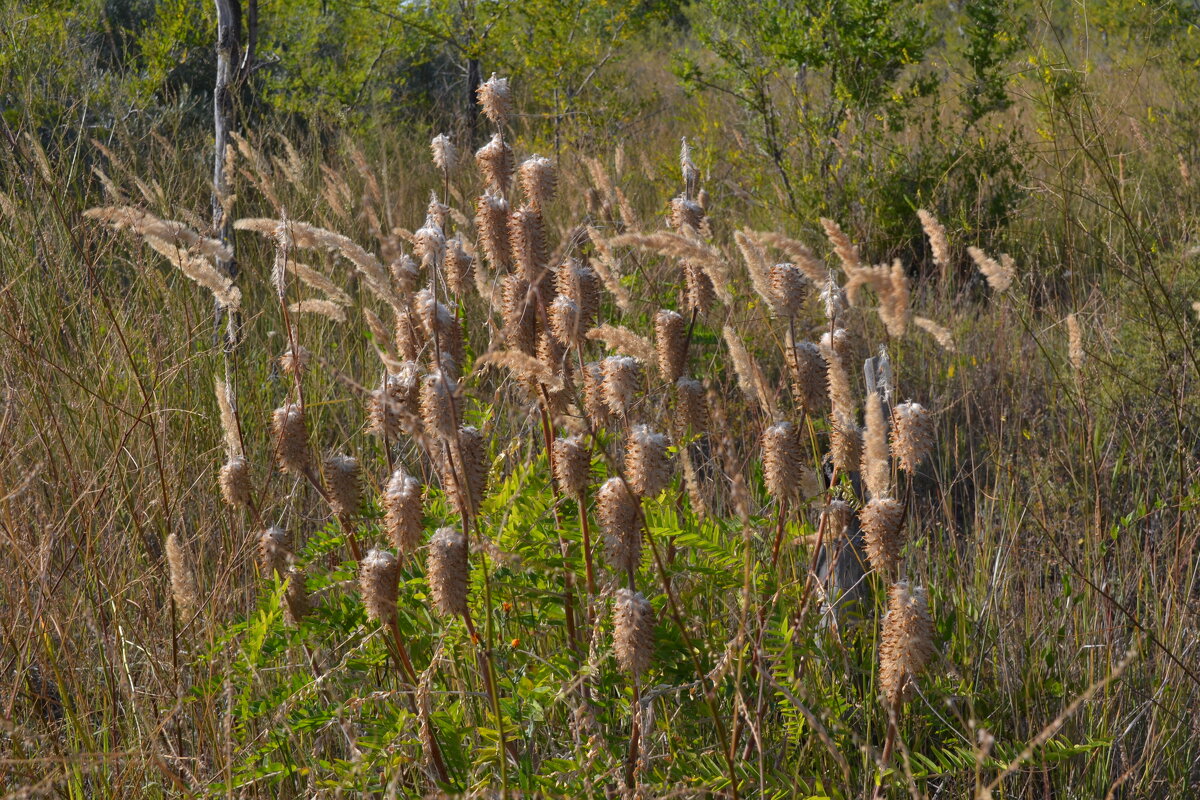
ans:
x=835 y=519
x=274 y=555
x=618 y=512
x=808 y=378
x=622 y=376
x=906 y=642
x=495 y=160
x=783 y=461
x=788 y=289
x=495 y=98
x=537 y=181
x=912 y=435
x=183 y=577
x=670 y=339
x=474 y=470
x=378 y=579
x=877 y=458
x=700 y=294
x=583 y=286
x=572 y=466
x=402 y=508
x=633 y=631
x=439 y=404
x=647 y=461
x=527 y=239
x=693 y=406
x=235 y=482
x=491 y=220
x=296 y=603
x=845 y=444
x=595 y=404
x=459 y=268
x=519 y=315
x=883 y=537
x=448 y=572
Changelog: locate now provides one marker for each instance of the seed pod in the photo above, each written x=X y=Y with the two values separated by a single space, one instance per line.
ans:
x=906 y=642
x=410 y=336
x=646 y=461
x=448 y=570
x=495 y=160
x=618 y=512
x=693 y=407
x=402 y=509
x=519 y=315
x=572 y=466
x=670 y=339
x=912 y=435
x=580 y=283
x=883 y=537
x=439 y=404
x=633 y=631
x=472 y=467
x=491 y=220
x=459 y=268
x=537 y=181
x=809 y=372
x=296 y=603
x=274 y=554
x=594 y=402
x=342 y=484
x=845 y=444
x=235 y=482
x=495 y=98
x=291 y=439
x=783 y=461
x=429 y=244
x=564 y=321
x=527 y=239
x=684 y=214
x=699 y=291
x=440 y=325
x=788 y=289
x=622 y=375
x=378 y=580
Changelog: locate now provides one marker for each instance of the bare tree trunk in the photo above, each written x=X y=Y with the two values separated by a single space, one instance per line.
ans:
x=474 y=78
x=228 y=21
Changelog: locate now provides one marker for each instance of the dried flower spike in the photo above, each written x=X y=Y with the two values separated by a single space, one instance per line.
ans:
x=912 y=435
x=670 y=340
x=378 y=579
x=183 y=577
x=402 y=510
x=495 y=160
x=622 y=376
x=445 y=155
x=788 y=289
x=537 y=181
x=618 y=511
x=876 y=455
x=693 y=405
x=291 y=439
x=906 y=642
x=274 y=554
x=439 y=409
x=572 y=466
x=647 y=462
x=883 y=537
x=235 y=482
x=342 y=483
x=783 y=461
x=809 y=372
x=495 y=97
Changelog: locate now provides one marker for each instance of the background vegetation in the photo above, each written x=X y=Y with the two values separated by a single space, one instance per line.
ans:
x=1055 y=526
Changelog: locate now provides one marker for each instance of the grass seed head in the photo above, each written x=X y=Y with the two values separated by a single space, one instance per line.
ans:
x=448 y=572
x=670 y=339
x=291 y=439
x=495 y=160
x=788 y=289
x=572 y=466
x=618 y=512
x=845 y=444
x=809 y=376
x=183 y=576
x=378 y=580
x=699 y=292
x=693 y=404
x=783 y=461
x=445 y=154
x=647 y=462
x=883 y=537
x=403 y=511
x=564 y=321
x=495 y=99
x=912 y=435
x=876 y=455
x=341 y=474
x=459 y=267
x=491 y=221
x=235 y=482
x=519 y=315
x=538 y=181
x=622 y=377
x=906 y=642
x=439 y=404
x=633 y=631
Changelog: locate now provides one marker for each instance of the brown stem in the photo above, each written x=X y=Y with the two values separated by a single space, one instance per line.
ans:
x=783 y=512
x=435 y=753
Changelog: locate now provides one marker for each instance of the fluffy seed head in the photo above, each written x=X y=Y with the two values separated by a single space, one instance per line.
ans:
x=841 y=397
x=647 y=461
x=410 y=335
x=495 y=98
x=296 y=603
x=538 y=180
x=405 y=274
x=809 y=372
x=472 y=466
x=882 y=535
x=459 y=268
x=495 y=160
x=912 y=435
x=436 y=318
x=378 y=580
x=491 y=220
x=618 y=512
x=876 y=455
x=633 y=631
x=594 y=402
x=670 y=340
x=291 y=438
x=235 y=481
x=693 y=405
x=783 y=460
x=519 y=315
x=274 y=554
x=294 y=362
x=342 y=483
x=699 y=292
x=183 y=577
x=448 y=570
x=564 y=321
x=906 y=642
x=439 y=404
x=685 y=214
x=788 y=289
x=572 y=465
x=445 y=155
x=402 y=509
x=527 y=238
x=583 y=286
x=1074 y=342
x=622 y=376
x=845 y=444
x=835 y=518
x=429 y=243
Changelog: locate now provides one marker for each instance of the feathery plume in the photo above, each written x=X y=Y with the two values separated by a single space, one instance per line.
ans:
x=633 y=631
x=847 y=251
x=942 y=336
x=624 y=341
x=538 y=181
x=323 y=308
x=797 y=253
x=841 y=398
x=448 y=572
x=445 y=154
x=845 y=444
x=939 y=245
x=429 y=244
x=495 y=160
x=608 y=271
x=749 y=375
x=618 y=512
x=685 y=214
x=906 y=642
x=687 y=167
x=999 y=274
x=294 y=362
x=378 y=580
x=756 y=265
x=234 y=480
x=1074 y=342
x=495 y=98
